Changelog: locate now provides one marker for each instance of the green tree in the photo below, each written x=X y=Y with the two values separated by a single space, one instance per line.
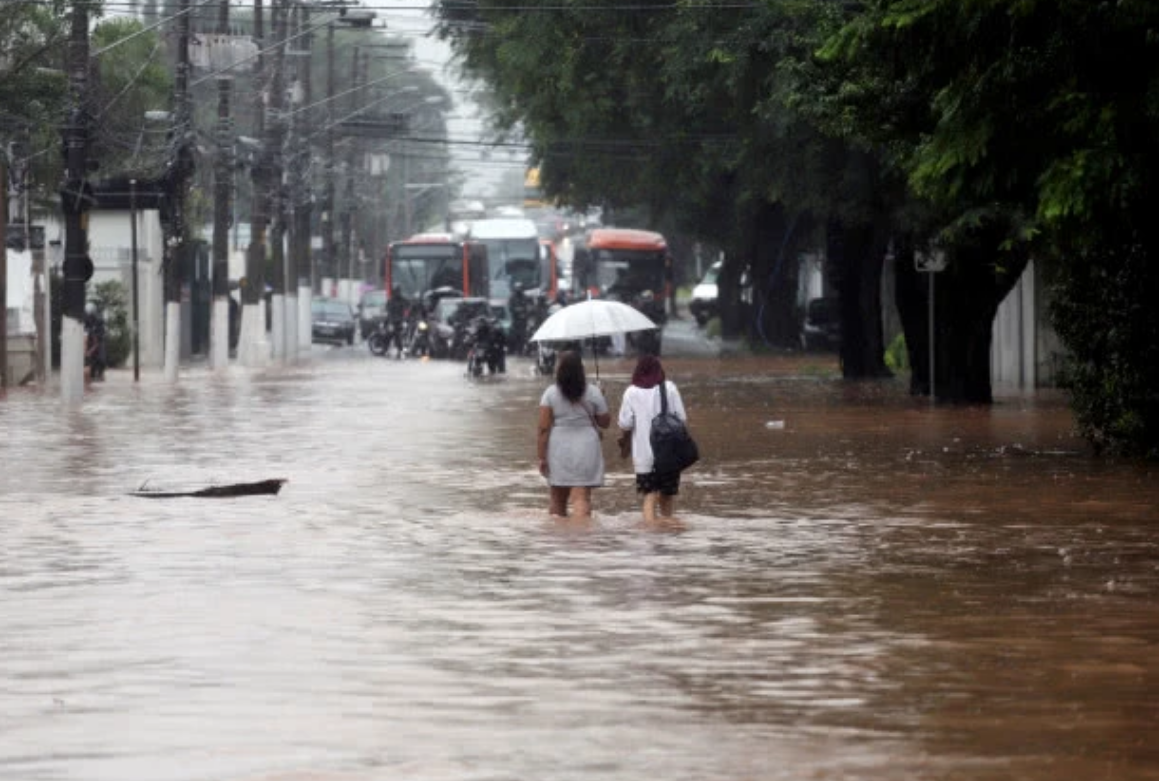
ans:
x=32 y=89
x=684 y=110
x=131 y=78
x=111 y=300
x=1031 y=127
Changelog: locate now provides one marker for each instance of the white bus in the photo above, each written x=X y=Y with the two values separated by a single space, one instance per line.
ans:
x=514 y=254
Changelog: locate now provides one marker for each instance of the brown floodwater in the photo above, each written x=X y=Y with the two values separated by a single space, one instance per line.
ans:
x=861 y=587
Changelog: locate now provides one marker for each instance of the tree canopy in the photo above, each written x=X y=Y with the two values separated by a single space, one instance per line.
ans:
x=995 y=130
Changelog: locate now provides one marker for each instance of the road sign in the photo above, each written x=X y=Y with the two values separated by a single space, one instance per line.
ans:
x=930 y=262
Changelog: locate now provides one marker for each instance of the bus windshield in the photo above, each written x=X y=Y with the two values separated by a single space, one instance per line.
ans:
x=513 y=260
x=623 y=273
x=416 y=268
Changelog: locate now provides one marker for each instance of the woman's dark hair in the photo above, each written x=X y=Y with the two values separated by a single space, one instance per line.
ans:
x=648 y=373
x=569 y=375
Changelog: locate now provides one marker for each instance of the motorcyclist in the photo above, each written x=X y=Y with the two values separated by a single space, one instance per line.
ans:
x=519 y=304
x=397 y=309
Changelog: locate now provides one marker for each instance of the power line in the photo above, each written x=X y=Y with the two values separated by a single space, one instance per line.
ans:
x=466 y=5
x=153 y=26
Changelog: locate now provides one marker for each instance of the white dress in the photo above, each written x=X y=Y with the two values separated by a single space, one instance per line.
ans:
x=574 y=454
x=637 y=409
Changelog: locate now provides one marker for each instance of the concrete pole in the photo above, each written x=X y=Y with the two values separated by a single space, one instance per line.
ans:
x=253 y=349
x=293 y=197
x=346 y=291
x=328 y=194
x=176 y=250
x=4 y=274
x=222 y=211
x=136 y=280
x=39 y=290
x=274 y=142
x=77 y=267
x=304 y=214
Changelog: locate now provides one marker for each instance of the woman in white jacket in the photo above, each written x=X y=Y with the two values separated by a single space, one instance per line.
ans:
x=641 y=403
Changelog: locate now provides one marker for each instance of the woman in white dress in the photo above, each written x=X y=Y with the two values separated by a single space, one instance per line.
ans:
x=571 y=413
x=641 y=403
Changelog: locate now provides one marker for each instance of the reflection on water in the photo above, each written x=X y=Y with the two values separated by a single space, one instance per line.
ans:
x=876 y=590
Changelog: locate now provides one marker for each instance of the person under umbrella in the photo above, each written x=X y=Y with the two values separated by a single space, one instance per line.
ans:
x=572 y=412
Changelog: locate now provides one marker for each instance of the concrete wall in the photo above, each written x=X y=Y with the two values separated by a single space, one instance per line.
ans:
x=1026 y=352
x=110 y=247
x=21 y=359
x=20 y=293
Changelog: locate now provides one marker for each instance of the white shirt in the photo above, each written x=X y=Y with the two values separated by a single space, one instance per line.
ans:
x=637 y=409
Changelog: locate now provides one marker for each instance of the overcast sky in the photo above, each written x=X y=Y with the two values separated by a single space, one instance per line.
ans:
x=466 y=123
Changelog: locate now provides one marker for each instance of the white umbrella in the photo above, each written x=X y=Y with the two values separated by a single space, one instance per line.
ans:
x=589 y=319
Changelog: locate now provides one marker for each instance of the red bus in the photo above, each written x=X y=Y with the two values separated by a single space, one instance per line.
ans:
x=631 y=265
x=427 y=261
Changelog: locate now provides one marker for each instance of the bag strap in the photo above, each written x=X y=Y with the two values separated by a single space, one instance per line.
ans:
x=591 y=414
x=663 y=399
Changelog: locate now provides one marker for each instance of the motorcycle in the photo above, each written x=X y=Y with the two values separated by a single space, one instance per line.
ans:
x=418 y=343
x=386 y=332
x=544 y=359
x=486 y=347
x=536 y=315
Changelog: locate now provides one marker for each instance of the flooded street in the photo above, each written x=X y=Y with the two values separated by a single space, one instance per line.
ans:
x=874 y=590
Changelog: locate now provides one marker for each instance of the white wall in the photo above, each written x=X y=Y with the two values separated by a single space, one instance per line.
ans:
x=110 y=245
x=20 y=292
x=1025 y=352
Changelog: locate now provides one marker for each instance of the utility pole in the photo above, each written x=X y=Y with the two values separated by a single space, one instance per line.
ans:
x=75 y=195
x=222 y=209
x=348 y=199
x=174 y=261
x=252 y=346
x=274 y=141
x=39 y=285
x=293 y=179
x=4 y=274
x=328 y=194
x=136 y=280
x=303 y=214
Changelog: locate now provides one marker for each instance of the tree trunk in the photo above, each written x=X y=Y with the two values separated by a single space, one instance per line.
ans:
x=909 y=291
x=856 y=254
x=732 y=319
x=772 y=250
x=966 y=298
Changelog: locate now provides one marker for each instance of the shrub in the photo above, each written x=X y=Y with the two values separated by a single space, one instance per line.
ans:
x=712 y=327
x=111 y=300
x=896 y=355
x=1104 y=311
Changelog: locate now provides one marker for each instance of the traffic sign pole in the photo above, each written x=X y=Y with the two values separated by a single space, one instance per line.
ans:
x=931 y=264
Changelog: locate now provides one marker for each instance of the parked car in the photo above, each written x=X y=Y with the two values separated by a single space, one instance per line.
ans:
x=702 y=306
x=332 y=321
x=821 y=329
x=371 y=307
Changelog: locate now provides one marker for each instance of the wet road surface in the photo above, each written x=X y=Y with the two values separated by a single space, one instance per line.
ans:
x=874 y=590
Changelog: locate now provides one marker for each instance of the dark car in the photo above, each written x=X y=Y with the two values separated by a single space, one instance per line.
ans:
x=371 y=307
x=332 y=321
x=821 y=329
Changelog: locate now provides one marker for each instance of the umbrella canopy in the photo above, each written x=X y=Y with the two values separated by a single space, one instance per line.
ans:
x=586 y=319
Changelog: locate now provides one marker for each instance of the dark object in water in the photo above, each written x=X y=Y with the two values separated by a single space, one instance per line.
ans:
x=256 y=488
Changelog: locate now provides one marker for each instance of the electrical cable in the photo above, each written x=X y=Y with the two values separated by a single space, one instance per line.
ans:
x=132 y=81
x=153 y=26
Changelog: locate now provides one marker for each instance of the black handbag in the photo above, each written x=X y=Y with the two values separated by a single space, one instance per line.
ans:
x=673 y=448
